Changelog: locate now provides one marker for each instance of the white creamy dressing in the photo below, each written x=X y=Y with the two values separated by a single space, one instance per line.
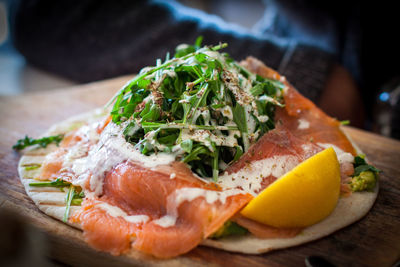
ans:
x=166 y=221
x=214 y=54
x=303 y=124
x=181 y=195
x=263 y=118
x=89 y=136
x=117 y=212
x=270 y=99
x=174 y=201
x=111 y=150
x=343 y=157
x=227 y=112
x=190 y=193
x=251 y=122
x=246 y=180
x=169 y=72
x=249 y=178
x=204 y=113
x=206 y=137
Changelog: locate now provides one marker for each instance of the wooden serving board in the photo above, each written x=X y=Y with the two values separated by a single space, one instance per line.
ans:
x=372 y=241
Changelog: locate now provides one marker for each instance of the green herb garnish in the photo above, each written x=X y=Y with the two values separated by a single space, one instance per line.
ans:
x=229 y=229
x=365 y=176
x=42 y=142
x=56 y=183
x=72 y=198
x=199 y=105
x=360 y=165
x=77 y=199
x=31 y=167
x=68 y=200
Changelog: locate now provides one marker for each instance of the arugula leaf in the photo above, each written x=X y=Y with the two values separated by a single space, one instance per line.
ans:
x=169 y=139
x=239 y=117
x=195 y=153
x=42 y=142
x=70 y=196
x=360 y=165
x=359 y=160
x=77 y=199
x=197 y=43
x=150 y=114
x=215 y=162
x=187 y=49
x=257 y=90
x=184 y=51
x=33 y=166
x=187 y=145
x=57 y=183
x=238 y=154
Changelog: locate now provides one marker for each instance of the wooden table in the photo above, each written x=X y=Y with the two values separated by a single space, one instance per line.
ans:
x=373 y=241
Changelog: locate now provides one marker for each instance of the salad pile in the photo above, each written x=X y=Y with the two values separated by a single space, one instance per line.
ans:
x=200 y=105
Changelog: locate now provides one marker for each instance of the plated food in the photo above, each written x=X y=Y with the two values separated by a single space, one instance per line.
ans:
x=200 y=150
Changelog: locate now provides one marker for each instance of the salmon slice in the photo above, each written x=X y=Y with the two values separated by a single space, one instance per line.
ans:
x=320 y=127
x=141 y=191
x=346 y=171
x=280 y=142
x=264 y=231
x=104 y=232
x=52 y=165
x=277 y=142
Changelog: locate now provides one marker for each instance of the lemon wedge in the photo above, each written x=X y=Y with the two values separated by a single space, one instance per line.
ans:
x=302 y=197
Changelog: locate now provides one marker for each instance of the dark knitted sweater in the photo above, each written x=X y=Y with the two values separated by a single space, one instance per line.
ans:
x=89 y=40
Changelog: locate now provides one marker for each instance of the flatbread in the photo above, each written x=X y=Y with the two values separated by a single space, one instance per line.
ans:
x=52 y=200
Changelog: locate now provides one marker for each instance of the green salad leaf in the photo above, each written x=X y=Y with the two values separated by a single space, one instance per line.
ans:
x=229 y=228
x=200 y=105
x=365 y=175
x=43 y=142
x=360 y=165
x=56 y=183
x=73 y=197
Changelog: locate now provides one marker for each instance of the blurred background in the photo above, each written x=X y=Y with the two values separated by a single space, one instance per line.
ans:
x=338 y=54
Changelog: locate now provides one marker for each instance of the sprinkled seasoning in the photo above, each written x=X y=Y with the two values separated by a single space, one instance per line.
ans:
x=200 y=105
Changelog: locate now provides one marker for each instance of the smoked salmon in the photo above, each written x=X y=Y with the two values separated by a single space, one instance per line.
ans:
x=193 y=208
x=301 y=116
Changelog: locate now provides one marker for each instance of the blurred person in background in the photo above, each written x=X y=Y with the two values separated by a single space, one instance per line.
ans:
x=321 y=47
